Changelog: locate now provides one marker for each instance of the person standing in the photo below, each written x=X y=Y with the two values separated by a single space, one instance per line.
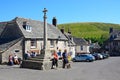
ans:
x=65 y=59
x=59 y=54
x=54 y=59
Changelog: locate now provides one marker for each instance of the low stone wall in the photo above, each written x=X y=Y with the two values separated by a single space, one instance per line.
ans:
x=39 y=65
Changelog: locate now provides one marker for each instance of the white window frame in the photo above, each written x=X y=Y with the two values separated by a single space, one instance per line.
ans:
x=65 y=44
x=28 y=28
x=33 y=43
x=51 y=43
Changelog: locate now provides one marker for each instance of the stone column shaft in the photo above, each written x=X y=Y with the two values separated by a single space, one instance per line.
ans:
x=45 y=30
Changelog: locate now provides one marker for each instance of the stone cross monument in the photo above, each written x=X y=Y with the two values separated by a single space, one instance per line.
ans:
x=46 y=52
x=45 y=30
x=41 y=62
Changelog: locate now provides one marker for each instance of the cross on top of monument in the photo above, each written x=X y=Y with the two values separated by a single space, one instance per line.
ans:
x=45 y=10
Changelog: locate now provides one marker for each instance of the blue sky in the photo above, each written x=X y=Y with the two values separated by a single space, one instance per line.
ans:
x=66 y=11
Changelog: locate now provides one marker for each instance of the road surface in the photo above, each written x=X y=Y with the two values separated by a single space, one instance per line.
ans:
x=108 y=69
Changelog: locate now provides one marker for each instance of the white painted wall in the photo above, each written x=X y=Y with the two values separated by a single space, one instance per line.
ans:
x=85 y=49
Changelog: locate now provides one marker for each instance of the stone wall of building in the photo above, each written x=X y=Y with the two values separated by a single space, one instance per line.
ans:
x=85 y=49
x=60 y=45
x=15 y=49
x=36 y=49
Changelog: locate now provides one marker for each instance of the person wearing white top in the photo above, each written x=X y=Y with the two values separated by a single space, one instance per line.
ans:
x=16 y=59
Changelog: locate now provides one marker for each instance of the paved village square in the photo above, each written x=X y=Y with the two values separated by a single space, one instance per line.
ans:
x=35 y=46
x=99 y=70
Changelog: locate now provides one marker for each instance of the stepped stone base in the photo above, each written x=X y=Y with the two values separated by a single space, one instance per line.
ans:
x=40 y=62
x=39 y=65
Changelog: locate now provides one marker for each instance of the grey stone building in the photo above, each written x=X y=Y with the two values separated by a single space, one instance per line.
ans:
x=113 y=45
x=95 y=47
x=71 y=43
x=81 y=46
x=21 y=35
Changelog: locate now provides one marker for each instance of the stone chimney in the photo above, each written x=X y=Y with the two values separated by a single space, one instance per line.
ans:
x=69 y=31
x=54 y=21
x=89 y=42
x=62 y=30
x=111 y=30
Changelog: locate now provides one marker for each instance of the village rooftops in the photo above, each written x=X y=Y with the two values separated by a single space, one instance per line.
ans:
x=80 y=41
x=14 y=30
x=37 y=29
x=2 y=26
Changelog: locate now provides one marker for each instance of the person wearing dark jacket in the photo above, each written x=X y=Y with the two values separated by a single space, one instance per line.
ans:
x=65 y=59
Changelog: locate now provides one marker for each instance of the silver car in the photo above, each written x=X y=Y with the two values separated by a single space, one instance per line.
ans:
x=83 y=57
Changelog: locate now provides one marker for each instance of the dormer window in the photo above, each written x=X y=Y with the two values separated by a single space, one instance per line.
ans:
x=27 y=27
x=119 y=34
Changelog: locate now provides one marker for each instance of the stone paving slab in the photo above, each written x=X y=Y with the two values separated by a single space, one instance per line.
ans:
x=98 y=70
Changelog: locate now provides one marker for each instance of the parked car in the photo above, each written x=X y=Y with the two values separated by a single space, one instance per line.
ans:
x=83 y=57
x=105 y=55
x=97 y=56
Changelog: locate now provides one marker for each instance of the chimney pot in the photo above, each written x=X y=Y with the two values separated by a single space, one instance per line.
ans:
x=111 y=30
x=54 y=21
x=62 y=30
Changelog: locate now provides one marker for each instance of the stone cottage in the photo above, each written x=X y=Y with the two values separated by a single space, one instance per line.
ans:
x=113 y=45
x=71 y=43
x=81 y=46
x=21 y=35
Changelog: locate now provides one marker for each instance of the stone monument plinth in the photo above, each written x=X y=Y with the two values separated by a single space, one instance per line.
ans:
x=41 y=62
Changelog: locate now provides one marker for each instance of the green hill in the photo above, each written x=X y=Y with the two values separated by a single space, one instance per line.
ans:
x=92 y=30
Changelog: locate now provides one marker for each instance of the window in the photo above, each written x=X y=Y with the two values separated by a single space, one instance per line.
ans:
x=65 y=43
x=16 y=51
x=51 y=43
x=26 y=26
x=33 y=43
x=115 y=43
x=119 y=34
x=81 y=48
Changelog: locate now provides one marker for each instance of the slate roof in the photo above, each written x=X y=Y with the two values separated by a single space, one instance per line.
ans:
x=115 y=31
x=80 y=41
x=36 y=32
x=117 y=39
x=95 y=45
x=69 y=37
x=2 y=26
x=37 y=29
x=116 y=34
x=5 y=46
